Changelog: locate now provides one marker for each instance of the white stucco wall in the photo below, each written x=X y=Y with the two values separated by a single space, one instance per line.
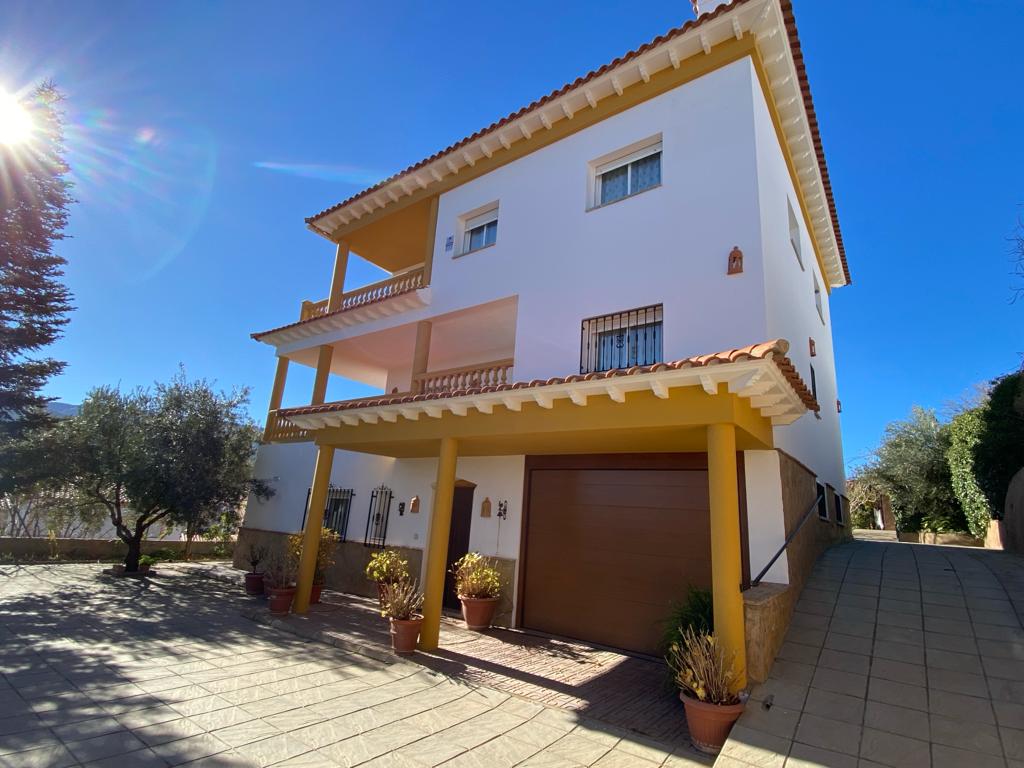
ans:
x=766 y=528
x=790 y=308
x=289 y=466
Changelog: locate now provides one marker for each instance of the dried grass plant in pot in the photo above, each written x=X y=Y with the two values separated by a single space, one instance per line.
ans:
x=387 y=567
x=706 y=681
x=478 y=585
x=281 y=571
x=401 y=603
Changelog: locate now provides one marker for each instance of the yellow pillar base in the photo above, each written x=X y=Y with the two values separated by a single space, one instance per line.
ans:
x=726 y=564
x=437 y=545
x=314 y=523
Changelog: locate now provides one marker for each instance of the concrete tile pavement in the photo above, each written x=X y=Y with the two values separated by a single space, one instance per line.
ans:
x=164 y=671
x=897 y=655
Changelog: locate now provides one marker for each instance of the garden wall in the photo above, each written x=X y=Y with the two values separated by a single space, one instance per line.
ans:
x=927 y=537
x=92 y=549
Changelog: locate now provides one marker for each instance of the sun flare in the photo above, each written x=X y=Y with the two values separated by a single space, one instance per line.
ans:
x=15 y=121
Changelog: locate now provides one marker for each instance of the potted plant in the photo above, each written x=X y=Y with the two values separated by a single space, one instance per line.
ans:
x=145 y=562
x=324 y=558
x=254 y=580
x=387 y=567
x=400 y=603
x=281 y=571
x=706 y=687
x=478 y=585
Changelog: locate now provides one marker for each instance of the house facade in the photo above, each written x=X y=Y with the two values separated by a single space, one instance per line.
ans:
x=604 y=354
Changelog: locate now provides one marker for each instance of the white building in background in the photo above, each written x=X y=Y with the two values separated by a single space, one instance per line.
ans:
x=613 y=307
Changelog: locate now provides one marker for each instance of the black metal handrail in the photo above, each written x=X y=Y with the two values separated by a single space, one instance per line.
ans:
x=777 y=555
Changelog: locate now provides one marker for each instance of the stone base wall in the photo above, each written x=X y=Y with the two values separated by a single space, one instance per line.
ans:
x=766 y=612
x=92 y=549
x=927 y=537
x=767 y=608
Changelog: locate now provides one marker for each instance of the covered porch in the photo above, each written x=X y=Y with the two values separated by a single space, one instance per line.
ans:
x=714 y=405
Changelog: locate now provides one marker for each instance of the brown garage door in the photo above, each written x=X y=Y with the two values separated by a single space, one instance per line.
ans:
x=609 y=550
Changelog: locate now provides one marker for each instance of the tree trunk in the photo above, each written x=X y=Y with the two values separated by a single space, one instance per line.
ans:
x=131 y=560
x=189 y=535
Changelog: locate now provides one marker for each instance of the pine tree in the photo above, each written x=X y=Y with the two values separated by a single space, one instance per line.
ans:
x=34 y=303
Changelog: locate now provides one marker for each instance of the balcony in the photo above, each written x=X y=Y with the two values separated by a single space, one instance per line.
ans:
x=490 y=374
x=394 y=286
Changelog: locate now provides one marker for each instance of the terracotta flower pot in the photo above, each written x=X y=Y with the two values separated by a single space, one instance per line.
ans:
x=314 y=592
x=405 y=633
x=144 y=568
x=281 y=599
x=118 y=569
x=709 y=724
x=254 y=584
x=478 y=612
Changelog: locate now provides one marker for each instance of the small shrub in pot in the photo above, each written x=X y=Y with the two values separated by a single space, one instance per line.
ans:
x=254 y=579
x=387 y=567
x=401 y=603
x=706 y=681
x=281 y=572
x=478 y=585
x=324 y=558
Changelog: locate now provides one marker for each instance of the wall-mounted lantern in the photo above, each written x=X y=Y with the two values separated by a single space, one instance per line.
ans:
x=401 y=508
x=414 y=504
x=503 y=509
x=485 y=507
x=735 y=260
x=839 y=406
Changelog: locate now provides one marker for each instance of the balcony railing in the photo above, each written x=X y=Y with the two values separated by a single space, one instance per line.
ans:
x=369 y=294
x=485 y=375
x=277 y=431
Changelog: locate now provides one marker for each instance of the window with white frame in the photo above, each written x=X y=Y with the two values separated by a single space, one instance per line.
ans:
x=817 y=298
x=480 y=230
x=794 y=234
x=628 y=174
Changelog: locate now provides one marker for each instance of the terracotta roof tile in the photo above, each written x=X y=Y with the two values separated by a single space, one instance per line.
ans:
x=805 y=88
x=774 y=350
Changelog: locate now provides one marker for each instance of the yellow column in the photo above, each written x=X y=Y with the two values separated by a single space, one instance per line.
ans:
x=276 y=396
x=726 y=564
x=428 y=252
x=437 y=545
x=421 y=352
x=323 y=371
x=314 y=522
x=338 y=278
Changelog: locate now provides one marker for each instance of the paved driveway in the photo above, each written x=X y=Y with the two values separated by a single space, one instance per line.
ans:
x=898 y=655
x=164 y=671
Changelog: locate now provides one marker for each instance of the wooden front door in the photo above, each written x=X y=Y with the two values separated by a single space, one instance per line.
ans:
x=458 y=539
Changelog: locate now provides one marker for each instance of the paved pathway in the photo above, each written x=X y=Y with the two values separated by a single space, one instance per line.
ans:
x=898 y=655
x=630 y=692
x=164 y=671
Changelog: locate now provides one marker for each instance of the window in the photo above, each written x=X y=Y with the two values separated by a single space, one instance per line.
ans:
x=377 y=517
x=814 y=384
x=822 y=502
x=794 y=234
x=480 y=231
x=842 y=508
x=832 y=501
x=336 y=509
x=627 y=174
x=621 y=340
x=817 y=298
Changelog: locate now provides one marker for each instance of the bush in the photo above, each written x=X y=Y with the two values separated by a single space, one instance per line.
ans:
x=165 y=555
x=401 y=600
x=324 y=553
x=965 y=433
x=475 y=576
x=696 y=612
x=999 y=453
x=387 y=567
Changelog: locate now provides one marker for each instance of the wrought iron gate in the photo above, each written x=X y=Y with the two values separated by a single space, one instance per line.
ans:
x=377 y=519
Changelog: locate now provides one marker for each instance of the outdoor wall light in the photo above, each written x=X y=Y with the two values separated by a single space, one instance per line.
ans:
x=503 y=509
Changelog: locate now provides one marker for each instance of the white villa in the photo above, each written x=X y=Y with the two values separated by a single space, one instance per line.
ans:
x=604 y=354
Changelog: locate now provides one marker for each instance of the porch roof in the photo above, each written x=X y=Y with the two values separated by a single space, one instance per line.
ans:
x=668 y=404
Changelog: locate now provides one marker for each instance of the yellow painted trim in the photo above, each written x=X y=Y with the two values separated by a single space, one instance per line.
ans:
x=428 y=252
x=324 y=356
x=311 y=533
x=780 y=135
x=643 y=422
x=726 y=563
x=337 y=293
x=437 y=546
x=280 y=377
x=421 y=351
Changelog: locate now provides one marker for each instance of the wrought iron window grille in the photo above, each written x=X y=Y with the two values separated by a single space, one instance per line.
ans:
x=336 y=510
x=377 y=517
x=621 y=340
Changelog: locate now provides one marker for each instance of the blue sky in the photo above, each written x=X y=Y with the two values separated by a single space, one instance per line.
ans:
x=202 y=133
